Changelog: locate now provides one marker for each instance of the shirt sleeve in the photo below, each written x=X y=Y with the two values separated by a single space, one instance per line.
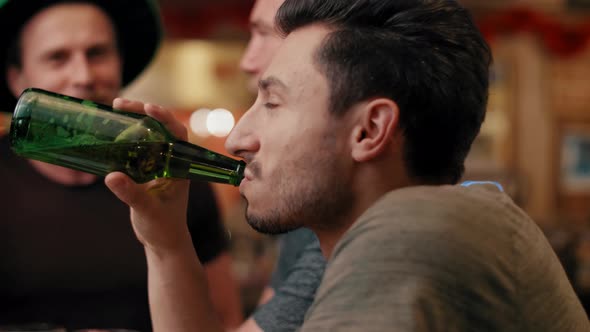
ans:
x=287 y=308
x=204 y=222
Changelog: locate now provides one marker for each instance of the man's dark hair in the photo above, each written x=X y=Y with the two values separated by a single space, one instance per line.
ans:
x=426 y=55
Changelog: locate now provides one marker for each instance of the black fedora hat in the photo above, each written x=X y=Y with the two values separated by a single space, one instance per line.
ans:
x=137 y=23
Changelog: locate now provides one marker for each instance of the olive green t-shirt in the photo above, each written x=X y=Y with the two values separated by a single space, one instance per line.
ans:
x=445 y=259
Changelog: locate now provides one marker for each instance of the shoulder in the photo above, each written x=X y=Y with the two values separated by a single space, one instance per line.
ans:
x=464 y=228
x=451 y=251
x=298 y=239
x=299 y=250
x=295 y=292
x=432 y=211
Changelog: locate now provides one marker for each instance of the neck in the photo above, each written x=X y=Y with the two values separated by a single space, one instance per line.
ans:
x=370 y=185
x=329 y=238
x=62 y=175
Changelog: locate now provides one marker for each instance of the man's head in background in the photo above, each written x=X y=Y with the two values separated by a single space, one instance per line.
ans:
x=264 y=40
x=71 y=49
x=87 y=49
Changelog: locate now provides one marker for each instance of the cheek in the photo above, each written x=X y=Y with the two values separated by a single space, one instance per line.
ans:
x=269 y=48
x=272 y=48
x=52 y=80
x=110 y=72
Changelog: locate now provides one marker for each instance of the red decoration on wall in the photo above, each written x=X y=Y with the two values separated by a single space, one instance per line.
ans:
x=560 y=39
x=200 y=22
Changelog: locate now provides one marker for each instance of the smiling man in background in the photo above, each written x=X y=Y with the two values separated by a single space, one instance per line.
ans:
x=68 y=257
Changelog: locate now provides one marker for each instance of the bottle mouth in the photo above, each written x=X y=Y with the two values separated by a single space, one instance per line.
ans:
x=239 y=173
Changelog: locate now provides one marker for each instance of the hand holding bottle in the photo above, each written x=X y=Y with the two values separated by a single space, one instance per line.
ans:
x=158 y=207
x=178 y=292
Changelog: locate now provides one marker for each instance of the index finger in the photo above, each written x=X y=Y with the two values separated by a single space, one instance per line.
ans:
x=128 y=105
x=155 y=111
x=167 y=119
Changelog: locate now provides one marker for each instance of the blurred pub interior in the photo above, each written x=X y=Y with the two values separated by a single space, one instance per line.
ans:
x=535 y=140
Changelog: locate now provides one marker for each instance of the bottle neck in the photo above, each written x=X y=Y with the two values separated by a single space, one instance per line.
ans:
x=204 y=164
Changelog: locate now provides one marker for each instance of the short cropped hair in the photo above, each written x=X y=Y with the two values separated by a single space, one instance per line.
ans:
x=426 y=55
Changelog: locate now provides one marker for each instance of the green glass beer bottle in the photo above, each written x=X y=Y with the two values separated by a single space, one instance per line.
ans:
x=97 y=139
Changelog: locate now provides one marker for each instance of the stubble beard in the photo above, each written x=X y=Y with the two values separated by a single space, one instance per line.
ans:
x=312 y=195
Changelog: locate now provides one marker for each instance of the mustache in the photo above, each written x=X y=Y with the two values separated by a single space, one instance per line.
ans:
x=254 y=168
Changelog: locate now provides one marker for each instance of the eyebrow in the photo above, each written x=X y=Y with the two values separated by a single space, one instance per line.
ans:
x=271 y=81
x=258 y=23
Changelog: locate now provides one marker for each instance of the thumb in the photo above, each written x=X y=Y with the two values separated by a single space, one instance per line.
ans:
x=125 y=189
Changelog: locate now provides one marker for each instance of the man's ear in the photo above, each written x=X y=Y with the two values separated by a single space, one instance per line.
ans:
x=375 y=129
x=15 y=80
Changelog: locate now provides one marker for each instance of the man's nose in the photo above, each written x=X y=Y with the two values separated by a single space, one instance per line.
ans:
x=249 y=62
x=243 y=141
x=81 y=74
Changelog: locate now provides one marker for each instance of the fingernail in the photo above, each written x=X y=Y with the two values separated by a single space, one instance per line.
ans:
x=153 y=106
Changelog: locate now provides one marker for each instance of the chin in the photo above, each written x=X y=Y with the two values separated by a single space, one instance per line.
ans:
x=269 y=225
x=267 y=228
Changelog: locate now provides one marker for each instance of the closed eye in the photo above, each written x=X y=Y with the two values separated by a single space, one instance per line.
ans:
x=99 y=52
x=270 y=105
x=57 y=57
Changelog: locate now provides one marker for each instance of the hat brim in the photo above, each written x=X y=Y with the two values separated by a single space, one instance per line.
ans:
x=137 y=23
